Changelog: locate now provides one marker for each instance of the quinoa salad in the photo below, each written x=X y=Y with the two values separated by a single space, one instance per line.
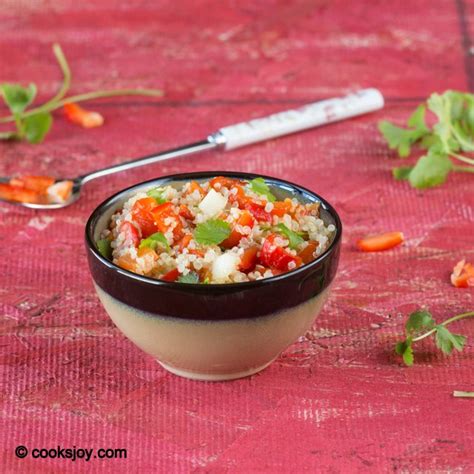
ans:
x=223 y=230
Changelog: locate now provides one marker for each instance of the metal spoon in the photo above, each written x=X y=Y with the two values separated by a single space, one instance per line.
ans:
x=235 y=136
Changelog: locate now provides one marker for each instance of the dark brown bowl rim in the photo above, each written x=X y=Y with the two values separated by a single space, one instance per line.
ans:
x=212 y=286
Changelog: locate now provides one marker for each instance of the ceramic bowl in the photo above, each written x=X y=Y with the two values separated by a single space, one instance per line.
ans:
x=213 y=331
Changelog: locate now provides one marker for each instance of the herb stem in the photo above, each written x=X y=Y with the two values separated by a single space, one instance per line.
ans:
x=462 y=158
x=463 y=169
x=470 y=314
x=50 y=106
x=63 y=64
x=461 y=394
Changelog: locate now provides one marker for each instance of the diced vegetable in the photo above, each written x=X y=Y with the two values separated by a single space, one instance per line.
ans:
x=127 y=263
x=157 y=195
x=103 y=245
x=131 y=234
x=248 y=259
x=280 y=208
x=380 y=242
x=463 y=275
x=307 y=254
x=213 y=203
x=276 y=257
x=224 y=265
x=172 y=275
x=60 y=192
x=39 y=184
x=156 y=241
x=245 y=220
x=143 y=216
x=80 y=116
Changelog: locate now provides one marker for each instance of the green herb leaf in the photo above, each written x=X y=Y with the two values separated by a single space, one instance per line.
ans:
x=259 y=186
x=295 y=240
x=447 y=341
x=37 y=126
x=104 y=248
x=417 y=119
x=431 y=170
x=157 y=195
x=400 y=139
x=18 y=98
x=212 y=232
x=154 y=241
x=404 y=348
x=418 y=321
x=402 y=172
x=191 y=277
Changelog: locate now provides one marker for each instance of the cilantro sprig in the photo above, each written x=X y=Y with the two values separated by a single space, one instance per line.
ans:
x=34 y=124
x=154 y=241
x=444 y=142
x=212 y=232
x=420 y=325
x=295 y=239
x=259 y=186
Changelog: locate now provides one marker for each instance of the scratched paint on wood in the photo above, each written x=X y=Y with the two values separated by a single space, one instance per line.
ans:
x=335 y=401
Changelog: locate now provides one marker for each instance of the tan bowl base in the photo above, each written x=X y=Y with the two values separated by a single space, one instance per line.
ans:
x=213 y=377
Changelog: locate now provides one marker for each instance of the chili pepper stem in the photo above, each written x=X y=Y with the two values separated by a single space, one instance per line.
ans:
x=49 y=107
x=470 y=314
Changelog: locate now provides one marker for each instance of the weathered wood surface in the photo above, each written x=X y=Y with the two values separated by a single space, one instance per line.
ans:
x=336 y=401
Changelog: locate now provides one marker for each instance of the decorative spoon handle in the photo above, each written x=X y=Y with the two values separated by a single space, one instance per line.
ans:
x=257 y=130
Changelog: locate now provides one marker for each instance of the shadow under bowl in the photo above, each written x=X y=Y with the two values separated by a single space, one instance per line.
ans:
x=216 y=331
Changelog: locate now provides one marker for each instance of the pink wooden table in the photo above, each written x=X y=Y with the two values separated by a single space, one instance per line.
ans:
x=336 y=401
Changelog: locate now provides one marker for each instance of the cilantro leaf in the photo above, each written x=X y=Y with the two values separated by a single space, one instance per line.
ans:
x=18 y=98
x=431 y=170
x=37 y=126
x=191 y=277
x=419 y=320
x=402 y=172
x=212 y=232
x=417 y=119
x=294 y=239
x=447 y=341
x=259 y=186
x=104 y=248
x=155 y=240
x=405 y=349
x=157 y=195
x=401 y=139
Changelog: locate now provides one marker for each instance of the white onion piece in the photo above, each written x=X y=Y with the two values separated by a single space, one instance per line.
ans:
x=213 y=203
x=224 y=265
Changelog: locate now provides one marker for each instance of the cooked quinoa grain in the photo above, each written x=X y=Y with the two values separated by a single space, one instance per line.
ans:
x=219 y=231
